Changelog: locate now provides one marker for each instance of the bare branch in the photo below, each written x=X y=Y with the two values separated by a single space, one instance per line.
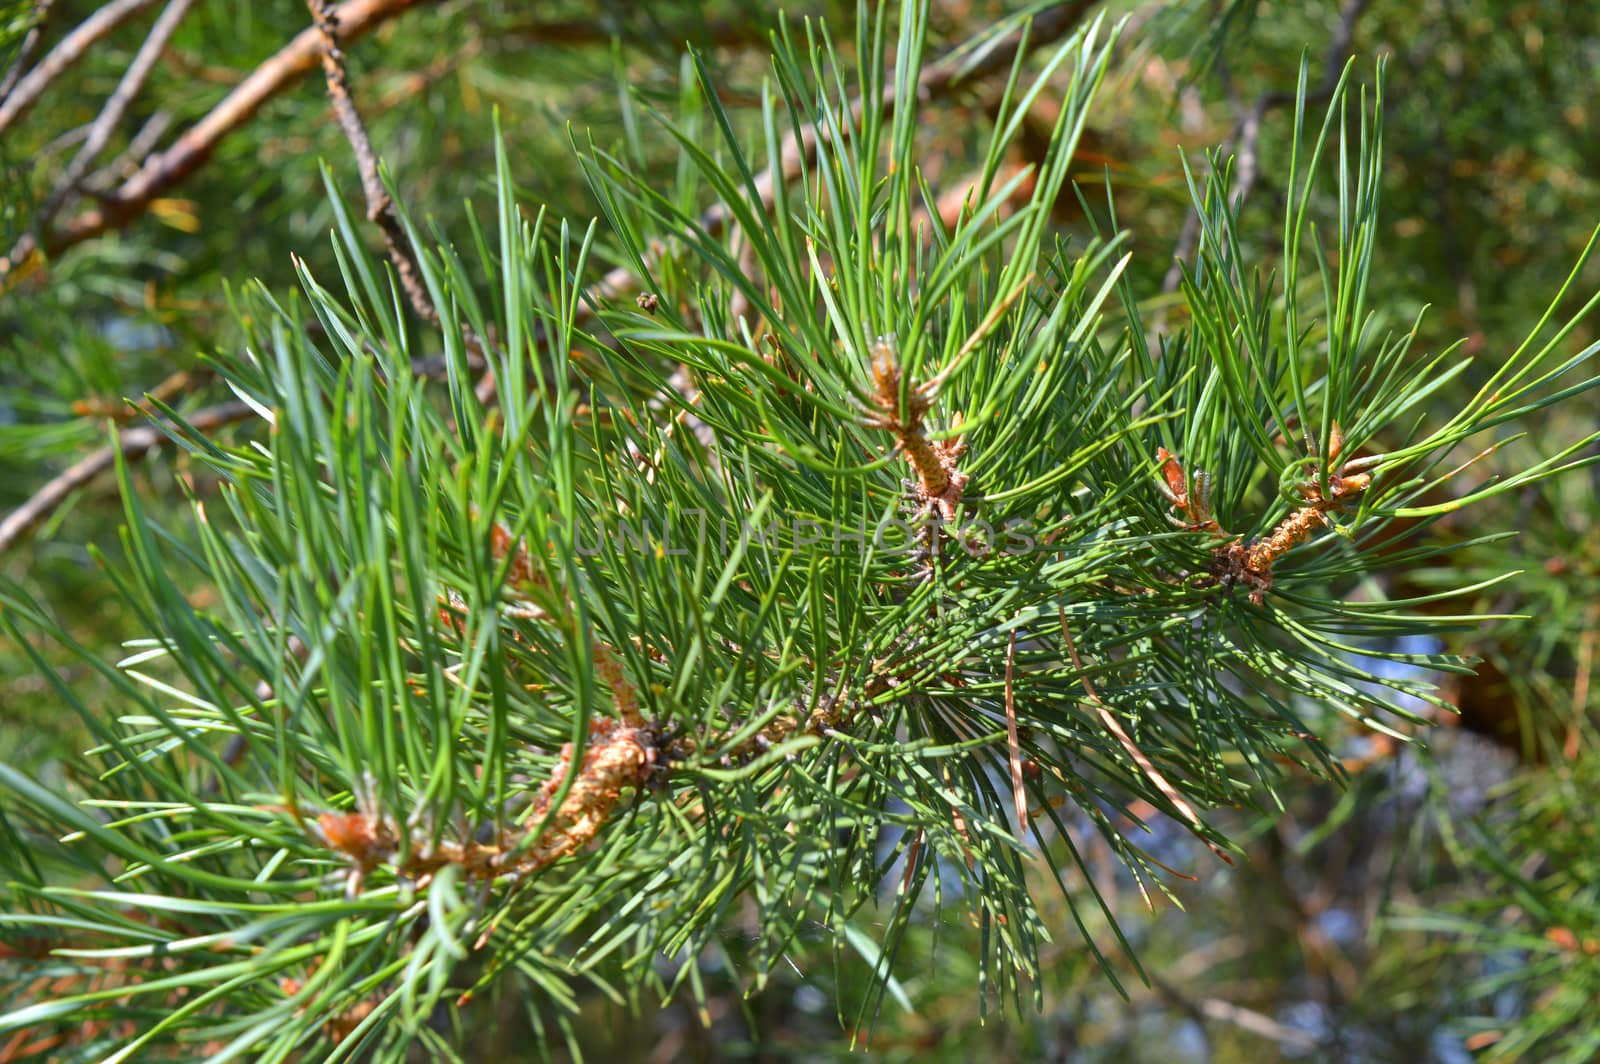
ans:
x=64 y=55
x=1292 y=1039
x=41 y=16
x=134 y=443
x=358 y=17
x=380 y=207
x=1571 y=745
x=195 y=146
x=116 y=106
x=142 y=144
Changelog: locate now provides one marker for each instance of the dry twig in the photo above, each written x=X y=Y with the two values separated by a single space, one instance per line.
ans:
x=1114 y=726
x=1291 y=1039
x=191 y=150
x=1572 y=743
x=27 y=91
x=132 y=444
x=127 y=162
x=1013 y=740
x=105 y=124
x=380 y=207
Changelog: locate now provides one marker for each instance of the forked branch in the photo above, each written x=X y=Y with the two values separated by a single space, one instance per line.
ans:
x=195 y=146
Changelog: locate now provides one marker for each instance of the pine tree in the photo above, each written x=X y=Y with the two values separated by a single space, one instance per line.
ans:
x=837 y=571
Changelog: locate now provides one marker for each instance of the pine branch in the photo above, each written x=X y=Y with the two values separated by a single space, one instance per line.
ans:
x=476 y=682
x=110 y=116
x=349 y=21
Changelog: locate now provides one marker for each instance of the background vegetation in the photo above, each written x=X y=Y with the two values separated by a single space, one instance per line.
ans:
x=1439 y=903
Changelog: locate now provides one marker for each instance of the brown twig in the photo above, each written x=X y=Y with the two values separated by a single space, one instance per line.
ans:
x=139 y=441
x=191 y=150
x=415 y=83
x=1249 y=134
x=380 y=206
x=1210 y=1008
x=358 y=17
x=59 y=143
x=622 y=692
x=132 y=444
x=940 y=481
x=177 y=383
x=1013 y=741
x=72 y=47
x=906 y=424
x=800 y=149
x=127 y=162
x=30 y=43
x=1572 y=743
x=1146 y=766
x=105 y=124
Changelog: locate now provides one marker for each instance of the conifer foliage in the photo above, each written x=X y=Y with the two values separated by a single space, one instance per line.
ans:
x=852 y=564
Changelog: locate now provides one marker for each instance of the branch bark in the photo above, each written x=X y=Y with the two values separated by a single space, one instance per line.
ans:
x=380 y=207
